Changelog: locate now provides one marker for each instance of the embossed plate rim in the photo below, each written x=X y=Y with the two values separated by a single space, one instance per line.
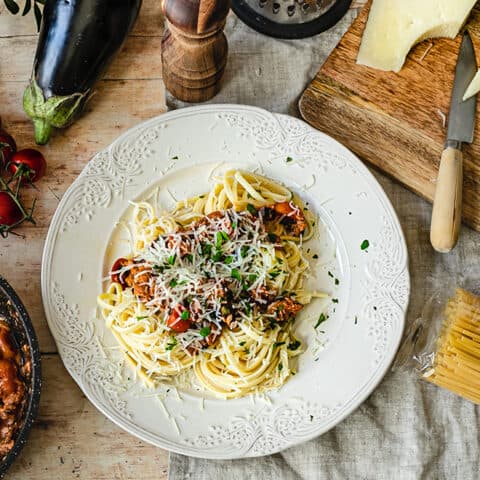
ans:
x=346 y=408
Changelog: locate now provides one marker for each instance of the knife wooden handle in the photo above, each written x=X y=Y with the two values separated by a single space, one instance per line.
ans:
x=447 y=205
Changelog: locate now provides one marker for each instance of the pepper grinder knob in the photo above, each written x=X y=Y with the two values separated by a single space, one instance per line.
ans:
x=194 y=48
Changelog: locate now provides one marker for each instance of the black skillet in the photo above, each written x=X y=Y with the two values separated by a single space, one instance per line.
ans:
x=13 y=310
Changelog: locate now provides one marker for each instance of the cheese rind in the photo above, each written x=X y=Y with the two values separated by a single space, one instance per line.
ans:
x=395 y=26
x=473 y=88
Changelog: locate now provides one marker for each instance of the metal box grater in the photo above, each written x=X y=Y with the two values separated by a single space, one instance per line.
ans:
x=290 y=18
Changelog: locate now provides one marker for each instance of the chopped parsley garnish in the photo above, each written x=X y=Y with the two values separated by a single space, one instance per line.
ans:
x=335 y=300
x=274 y=274
x=242 y=343
x=252 y=277
x=277 y=344
x=244 y=251
x=330 y=274
x=315 y=256
x=228 y=260
x=189 y=257
x=337 y=281
x=247 y=350
x=218 y=239
x=272 y=237
x=248 y=309
x=236 y=274
x=171 y=259
x=289 y=159
x=322 y=318
x=234 y=225
x=294 y=345
x=217 y=256
x=172 y=343
x=175 y=157
x=365 y=244
x=206 y=248
x=173 y=283
x=205 y=331
x=251 y=209
x=280 y=366
x=142 y=318
x=158 y=269
x=185 y=315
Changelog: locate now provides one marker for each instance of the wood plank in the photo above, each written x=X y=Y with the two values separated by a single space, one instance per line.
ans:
x=71 y=439
x=394 y=121
x=118 y=106
x=129 y=64
x=149 y=22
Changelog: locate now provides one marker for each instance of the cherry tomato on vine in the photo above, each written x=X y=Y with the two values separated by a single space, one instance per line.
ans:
x=10 y=213
x=34 y=162
x=7 y=147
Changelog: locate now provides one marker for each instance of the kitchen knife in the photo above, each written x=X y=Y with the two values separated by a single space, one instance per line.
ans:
x=447 y=205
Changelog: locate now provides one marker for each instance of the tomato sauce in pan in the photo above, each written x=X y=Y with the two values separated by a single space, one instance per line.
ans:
x=12 y=389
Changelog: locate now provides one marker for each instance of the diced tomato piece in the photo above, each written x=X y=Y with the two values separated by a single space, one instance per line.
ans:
x=118 y=264
x=175 y=321
x=284 y=208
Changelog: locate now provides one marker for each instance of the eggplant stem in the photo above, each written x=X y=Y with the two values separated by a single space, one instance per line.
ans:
x=43 y=130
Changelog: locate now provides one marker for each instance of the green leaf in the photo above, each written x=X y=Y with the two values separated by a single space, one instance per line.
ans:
x=205 y=331
x=185 y=315
x=236 y=274
x=294 y=345
x=365 y=244
x=320 y=320
x=251 y=209
x=218 y=239
x=277 y=344
x=172 y=343
x=12 y=6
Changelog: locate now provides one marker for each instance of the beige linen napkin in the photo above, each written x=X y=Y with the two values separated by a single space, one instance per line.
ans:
x=407 y=429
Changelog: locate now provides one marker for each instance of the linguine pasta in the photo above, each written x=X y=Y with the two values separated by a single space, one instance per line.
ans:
x=213 y=287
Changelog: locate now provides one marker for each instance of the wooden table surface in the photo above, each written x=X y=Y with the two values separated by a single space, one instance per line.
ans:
x=71 y=439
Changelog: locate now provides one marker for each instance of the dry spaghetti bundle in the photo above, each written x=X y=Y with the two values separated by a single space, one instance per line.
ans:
x=457 y=360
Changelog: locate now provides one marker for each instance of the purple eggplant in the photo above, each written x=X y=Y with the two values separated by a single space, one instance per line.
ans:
x=78 y=40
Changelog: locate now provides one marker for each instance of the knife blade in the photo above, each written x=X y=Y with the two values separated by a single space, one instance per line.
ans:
x=447 y=204
x=461 y=119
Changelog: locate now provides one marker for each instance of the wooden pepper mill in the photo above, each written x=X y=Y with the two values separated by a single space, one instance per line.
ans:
x=194 y=48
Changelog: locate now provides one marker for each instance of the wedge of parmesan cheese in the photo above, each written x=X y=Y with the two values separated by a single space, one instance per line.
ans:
x=473 y=88
x=395 y=26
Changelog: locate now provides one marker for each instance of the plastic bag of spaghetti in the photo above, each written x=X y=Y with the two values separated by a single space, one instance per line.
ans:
x=443 y=345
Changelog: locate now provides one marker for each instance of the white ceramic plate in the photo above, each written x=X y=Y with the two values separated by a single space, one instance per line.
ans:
x=173 y=154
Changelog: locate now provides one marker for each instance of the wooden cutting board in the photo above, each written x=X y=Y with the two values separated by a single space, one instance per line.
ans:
x=395 y=121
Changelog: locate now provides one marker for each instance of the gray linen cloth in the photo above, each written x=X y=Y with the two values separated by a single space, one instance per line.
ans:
x=407 y=429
